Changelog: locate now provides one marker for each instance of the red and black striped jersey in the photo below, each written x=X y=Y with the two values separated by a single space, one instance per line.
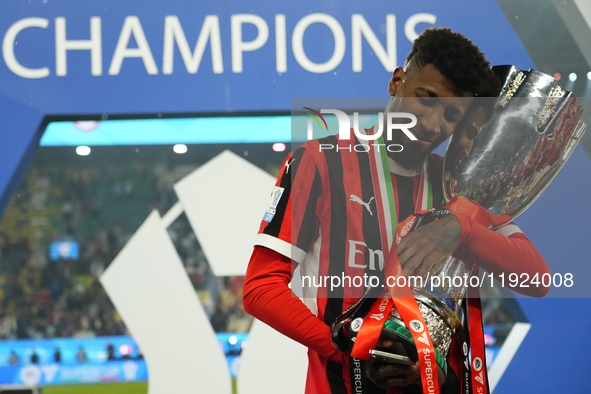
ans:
x=322 y=214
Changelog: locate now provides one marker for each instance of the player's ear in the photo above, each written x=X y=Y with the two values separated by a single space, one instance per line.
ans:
x=396 y=81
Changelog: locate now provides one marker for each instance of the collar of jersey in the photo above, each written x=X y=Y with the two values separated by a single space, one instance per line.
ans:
x=399 y=170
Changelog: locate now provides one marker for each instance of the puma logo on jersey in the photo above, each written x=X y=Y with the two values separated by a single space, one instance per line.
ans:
x=288 y=164
x=356 y=199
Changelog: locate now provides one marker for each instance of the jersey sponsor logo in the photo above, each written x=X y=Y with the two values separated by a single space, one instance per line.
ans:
x=272 y=209
x=376 y=257
x=358 y=200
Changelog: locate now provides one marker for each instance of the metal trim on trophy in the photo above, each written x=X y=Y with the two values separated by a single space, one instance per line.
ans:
x=533 y=131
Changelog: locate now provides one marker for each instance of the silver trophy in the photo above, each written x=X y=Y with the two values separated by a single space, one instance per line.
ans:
x=533 y=127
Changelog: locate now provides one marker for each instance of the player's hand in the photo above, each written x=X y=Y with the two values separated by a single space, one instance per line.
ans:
x=390 y=375
x=428 y=246
x=386 y=375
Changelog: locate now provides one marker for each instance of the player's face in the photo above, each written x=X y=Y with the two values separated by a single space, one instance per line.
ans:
x=463 y=137
x=437 y=104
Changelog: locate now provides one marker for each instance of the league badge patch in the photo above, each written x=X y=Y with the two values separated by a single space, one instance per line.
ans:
x=274 y=200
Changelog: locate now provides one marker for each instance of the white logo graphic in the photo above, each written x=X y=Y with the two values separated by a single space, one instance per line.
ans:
x=130 y=371
x=377 y=316
x=275 y=197
x=424 y=338
x=152 y=247
x=479 y=378
x=49 y=371
x=30 y=375
x=356 y=199
x=356 y=324
x=416 y=326
x=465 y=348
x=288 y=164
x=477 y=364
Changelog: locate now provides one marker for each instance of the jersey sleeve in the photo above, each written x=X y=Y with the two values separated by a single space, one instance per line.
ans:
x=268 y=297
x=505 y=251
x=290 y=222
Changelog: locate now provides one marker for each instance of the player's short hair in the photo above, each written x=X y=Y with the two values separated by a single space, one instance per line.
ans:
x=457 y=58
x=487 y=103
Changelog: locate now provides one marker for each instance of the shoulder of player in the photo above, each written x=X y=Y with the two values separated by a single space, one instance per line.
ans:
x=314 y=145
x=315 y=149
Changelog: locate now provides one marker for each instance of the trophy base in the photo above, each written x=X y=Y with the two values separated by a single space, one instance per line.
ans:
x=441 y=321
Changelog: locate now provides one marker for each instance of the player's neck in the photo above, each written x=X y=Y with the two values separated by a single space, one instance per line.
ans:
x=399 y=169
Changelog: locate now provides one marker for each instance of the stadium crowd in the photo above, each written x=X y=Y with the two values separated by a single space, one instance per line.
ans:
x=99 y=207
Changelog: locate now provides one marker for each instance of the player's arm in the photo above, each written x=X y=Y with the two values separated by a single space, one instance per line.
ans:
x=268 y=297
x=498 y=252
x=505 y=251
x=286 y=233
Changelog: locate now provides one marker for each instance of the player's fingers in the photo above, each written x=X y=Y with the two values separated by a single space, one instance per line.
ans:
x=385 y=343
x=391 y=370
x=405 y=254
x=433 y=267
x=401 y=247
x=413 y=265
x=428 y=263
x=428 y=255
x=408 y=242
x=404 y=381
